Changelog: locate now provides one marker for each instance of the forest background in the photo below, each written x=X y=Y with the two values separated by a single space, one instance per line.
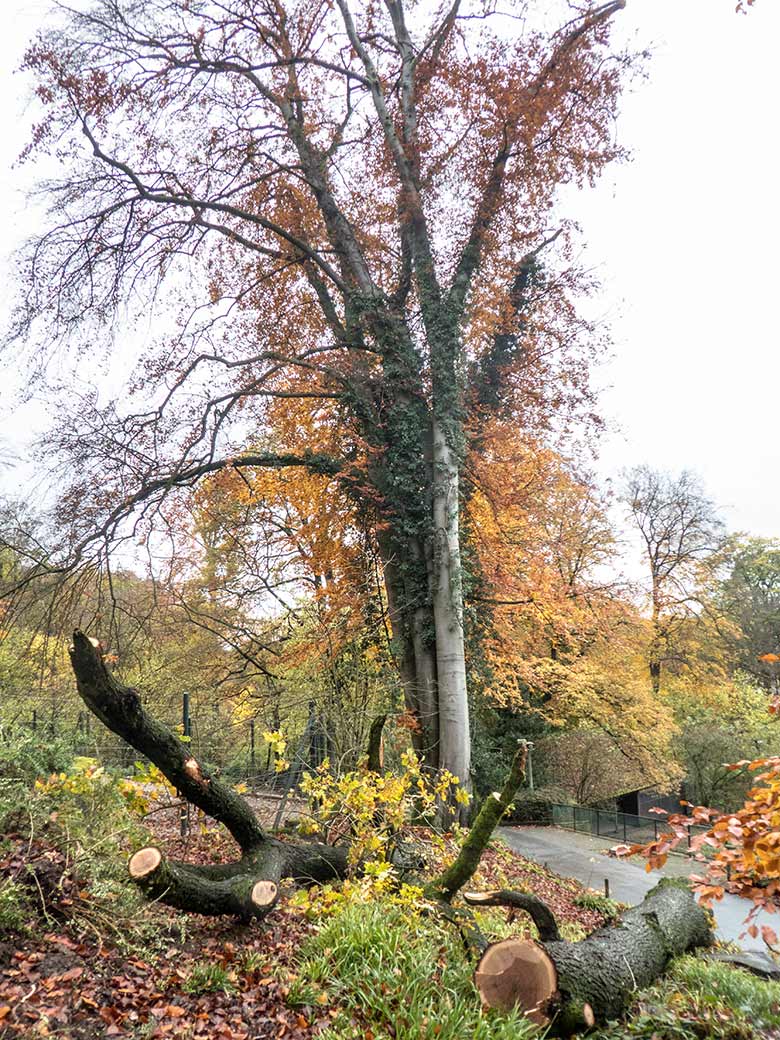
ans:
x=267 y=589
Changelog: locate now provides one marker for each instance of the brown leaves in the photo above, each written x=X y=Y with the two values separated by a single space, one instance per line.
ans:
x=105 y=992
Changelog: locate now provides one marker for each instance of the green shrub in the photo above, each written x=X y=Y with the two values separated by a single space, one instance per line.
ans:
x=531 y=809
x=26 y=756
x=402 y=975
x=66 y=844
x=15 y=908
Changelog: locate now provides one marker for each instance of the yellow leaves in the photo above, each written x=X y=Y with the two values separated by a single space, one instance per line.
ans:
x=278 y=744
x=372 y=812
x=462 y=796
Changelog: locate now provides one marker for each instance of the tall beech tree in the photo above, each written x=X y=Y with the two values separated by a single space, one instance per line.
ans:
x=352 y=209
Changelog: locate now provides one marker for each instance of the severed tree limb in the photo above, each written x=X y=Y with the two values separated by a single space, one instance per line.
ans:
x=539 y=912
x=119 y=708
x=459 y=873
x=249 y=886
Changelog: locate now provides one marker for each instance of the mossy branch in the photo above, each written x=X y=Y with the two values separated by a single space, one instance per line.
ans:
x=447 y=884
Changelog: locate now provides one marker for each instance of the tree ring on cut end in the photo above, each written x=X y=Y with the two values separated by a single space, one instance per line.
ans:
x=264 y=893
x=144 y=862
x=517 y=973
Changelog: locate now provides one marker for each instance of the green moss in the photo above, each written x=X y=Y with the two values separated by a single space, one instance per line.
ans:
x=601 y=904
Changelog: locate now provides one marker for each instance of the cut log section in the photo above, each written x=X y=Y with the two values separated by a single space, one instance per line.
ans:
x=144 y=862
x=516 y=973
x=233 y=888
x=264 y=894
x=247 y=887
x=571 y=986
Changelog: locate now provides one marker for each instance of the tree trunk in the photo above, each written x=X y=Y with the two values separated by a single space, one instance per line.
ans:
x=454 y=735
x=654 y=663
x=574 y=985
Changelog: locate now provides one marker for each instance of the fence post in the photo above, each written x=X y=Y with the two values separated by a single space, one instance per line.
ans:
x=529 y=766
x=34 y=720
x=625 y=836
x=184 y=811
x=655 y=829
x=252 y=747
x=598 y=819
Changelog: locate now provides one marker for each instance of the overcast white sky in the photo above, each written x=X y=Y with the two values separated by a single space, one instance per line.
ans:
x=684 y=239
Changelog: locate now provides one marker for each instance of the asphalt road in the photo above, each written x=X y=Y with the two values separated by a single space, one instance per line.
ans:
x=581 y=856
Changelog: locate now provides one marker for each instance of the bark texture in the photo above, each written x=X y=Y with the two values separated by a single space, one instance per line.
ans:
x=594 y=979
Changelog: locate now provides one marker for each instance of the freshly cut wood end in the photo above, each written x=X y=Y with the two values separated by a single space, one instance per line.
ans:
x=517 y=973
x=264 y=893
x=588 y=1016
x=478 y=897
x=144 y=862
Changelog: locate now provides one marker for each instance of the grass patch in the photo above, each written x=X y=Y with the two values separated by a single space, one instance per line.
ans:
x=399 y=975
x=208 y=977
x=608 y=908
x=701 y=998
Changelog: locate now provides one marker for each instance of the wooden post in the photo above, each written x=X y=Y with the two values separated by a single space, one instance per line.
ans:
x=252 y=746
x=186 y=723
x=606 y=887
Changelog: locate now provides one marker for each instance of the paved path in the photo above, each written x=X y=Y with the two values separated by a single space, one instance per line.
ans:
x=581 y=856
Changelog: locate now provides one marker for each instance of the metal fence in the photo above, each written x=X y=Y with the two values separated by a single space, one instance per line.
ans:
x=618 y=826
x=235 y=749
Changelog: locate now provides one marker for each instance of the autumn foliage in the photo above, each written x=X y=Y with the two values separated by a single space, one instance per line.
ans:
x=739 y=851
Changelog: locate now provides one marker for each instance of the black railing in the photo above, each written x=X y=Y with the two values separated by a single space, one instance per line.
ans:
x=606 y=823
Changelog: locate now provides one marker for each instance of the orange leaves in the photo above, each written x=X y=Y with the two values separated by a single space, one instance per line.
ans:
x=745 y=856
x=769 y=935
x=408 y=721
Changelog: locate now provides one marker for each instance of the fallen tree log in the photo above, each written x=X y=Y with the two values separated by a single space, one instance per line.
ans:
x=247 y=887
x=571 y=986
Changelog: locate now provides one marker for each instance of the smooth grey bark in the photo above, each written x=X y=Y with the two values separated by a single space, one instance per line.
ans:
x=454 y=729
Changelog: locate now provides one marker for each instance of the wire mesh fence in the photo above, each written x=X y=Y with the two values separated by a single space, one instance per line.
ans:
x=235 y=750
x=617 y=826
